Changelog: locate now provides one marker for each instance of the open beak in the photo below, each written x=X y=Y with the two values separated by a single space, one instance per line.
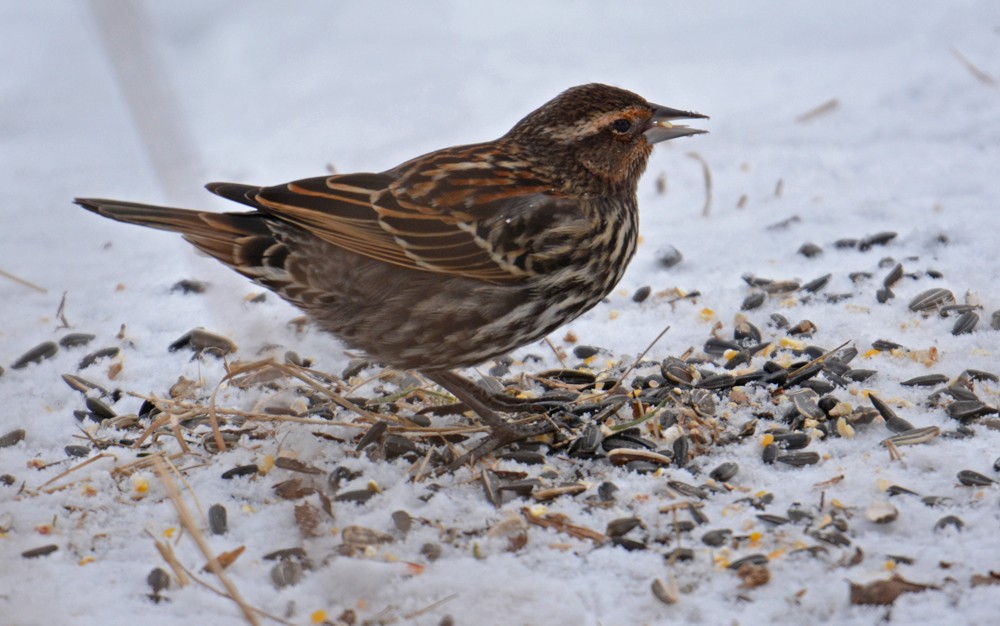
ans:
x=661 y=129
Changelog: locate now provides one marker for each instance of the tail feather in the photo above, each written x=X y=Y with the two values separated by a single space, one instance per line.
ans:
x=237 y=239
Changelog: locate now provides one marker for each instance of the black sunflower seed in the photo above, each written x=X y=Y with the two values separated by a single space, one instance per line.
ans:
x=217 y=519
x=753 y=559
x=724 y=471
x=753 y=301
x=75 y=340
x=817 y=284
x=971 y=478
x=928 y=380
x=641 y=294
x=39 y=353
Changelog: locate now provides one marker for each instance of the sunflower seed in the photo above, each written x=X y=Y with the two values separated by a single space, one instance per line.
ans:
x=286 y=573
x=931 y=299
x=242 y=470
x=928 y=380
x=878 y=239
x=669 y=256
x=769 y=453
x=805 y=327
x=817 y=284
x=791 y=441
x=980 y=375
x=679 y=554
x=949 y=520
x=914 y=436
x=37 y=354
x=75 y=340
x=77 y=451
x=966 y=323
x=754 y=300
x=968 y=409
x=201 y=340
x=781 y=286
x=12 y=438
x=621 y=526
x=680 y=448
x=93 y=357
x=621 y=456
x=641 y=294
x=806 y=403
x=746 y=333
x=893 y=276
x=100 y=409
x=188 y=285
x=667 y=594
x=687 y=490
x=217 y=521
x=717 y=381
x=774 y=520
x=158 y=580
x=884 y=294
x=724 y=471
x=810 y=250
x=799 y=459
x=34 y=553
x=716 y=538
x=717 y=347
x=753 y=559
x=970 y=478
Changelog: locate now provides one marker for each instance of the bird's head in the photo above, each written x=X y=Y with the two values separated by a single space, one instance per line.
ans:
x=602 y=134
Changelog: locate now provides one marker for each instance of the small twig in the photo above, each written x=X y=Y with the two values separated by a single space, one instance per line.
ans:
x=21 y=281
x=171 y=559
x=707 y=174
x=213 y=563
x=639 y=359
x=555 y=351
x=61 y=312
x=982 y=76
x=827 y=107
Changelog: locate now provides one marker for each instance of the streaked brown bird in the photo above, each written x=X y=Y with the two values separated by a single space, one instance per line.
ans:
x=454 y=257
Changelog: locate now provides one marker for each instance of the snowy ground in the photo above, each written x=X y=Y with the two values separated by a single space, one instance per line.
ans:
x=275 y=92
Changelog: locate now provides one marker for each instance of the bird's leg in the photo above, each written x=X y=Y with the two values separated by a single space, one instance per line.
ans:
x=483 y=403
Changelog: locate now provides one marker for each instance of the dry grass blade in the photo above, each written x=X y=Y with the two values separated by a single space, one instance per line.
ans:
x=639 y=359
x=707 y=174
x=187 y=522
x=981 y=75
x=168 y=556
x=826 y=108
x=103 y=455
x=21 y=281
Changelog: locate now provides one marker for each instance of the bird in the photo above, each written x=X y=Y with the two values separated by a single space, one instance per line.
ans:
x=455 y=257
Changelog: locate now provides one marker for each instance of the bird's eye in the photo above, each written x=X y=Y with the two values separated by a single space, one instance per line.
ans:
x=621 y=126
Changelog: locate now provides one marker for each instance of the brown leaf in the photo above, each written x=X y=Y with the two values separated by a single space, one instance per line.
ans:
x=993 y=578
x=883 y=592
x=293 y=489
x=307 y=519
x=225 y=559
x=294 y=465
x=753 y=576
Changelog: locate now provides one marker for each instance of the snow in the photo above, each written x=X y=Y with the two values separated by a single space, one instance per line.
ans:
x=274 y=92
